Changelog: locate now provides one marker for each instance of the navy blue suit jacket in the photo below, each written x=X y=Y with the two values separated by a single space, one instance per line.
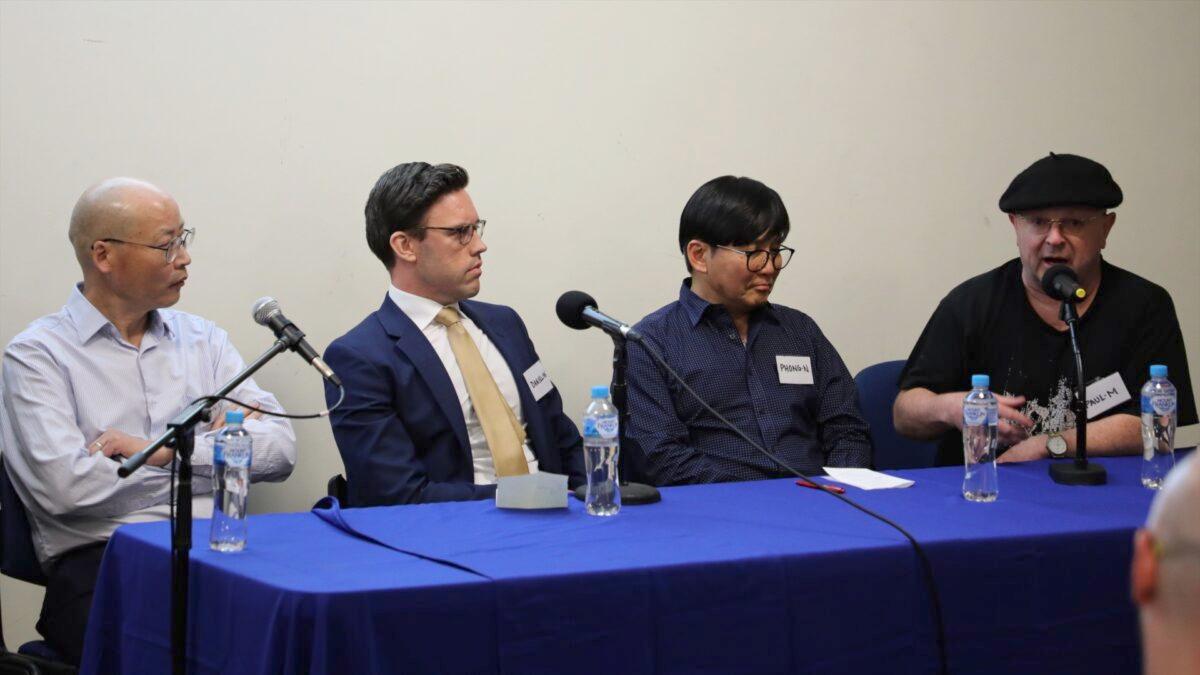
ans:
x=401 y=430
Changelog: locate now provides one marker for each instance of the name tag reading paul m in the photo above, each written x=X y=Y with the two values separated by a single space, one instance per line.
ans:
x=1105 y=394
x=794 y=369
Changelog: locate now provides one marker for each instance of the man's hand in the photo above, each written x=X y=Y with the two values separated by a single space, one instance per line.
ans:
x=219 y=422
x=1027 y=450
x=114 y=443
x=1014 y=426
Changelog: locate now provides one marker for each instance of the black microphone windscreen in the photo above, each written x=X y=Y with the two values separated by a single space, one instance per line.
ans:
x=1052 y=275
x=570 y=308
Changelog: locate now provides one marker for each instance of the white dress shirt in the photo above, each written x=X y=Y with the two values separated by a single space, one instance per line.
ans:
x=422 y=312
x=70 y=376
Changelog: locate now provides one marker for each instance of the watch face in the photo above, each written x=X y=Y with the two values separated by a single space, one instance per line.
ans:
x=1057 y=446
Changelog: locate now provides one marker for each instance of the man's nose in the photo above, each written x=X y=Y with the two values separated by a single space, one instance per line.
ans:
x=1054 y=235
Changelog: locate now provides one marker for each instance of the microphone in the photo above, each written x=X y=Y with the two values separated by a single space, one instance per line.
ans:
x=1061 y=283
x=267 y=313
x=578 y=310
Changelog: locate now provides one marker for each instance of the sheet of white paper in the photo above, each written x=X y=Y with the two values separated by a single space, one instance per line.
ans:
x=532 y=491
x=866 y=478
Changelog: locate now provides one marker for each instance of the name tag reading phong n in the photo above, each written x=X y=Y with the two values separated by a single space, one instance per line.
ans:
x=794 y=369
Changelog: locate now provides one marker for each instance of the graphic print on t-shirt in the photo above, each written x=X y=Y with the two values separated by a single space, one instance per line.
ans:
x=1053 y=416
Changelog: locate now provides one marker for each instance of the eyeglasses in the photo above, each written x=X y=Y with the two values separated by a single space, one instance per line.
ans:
x=757 y=259
x=171 y=248
x=1040 y=226
x=463 y=232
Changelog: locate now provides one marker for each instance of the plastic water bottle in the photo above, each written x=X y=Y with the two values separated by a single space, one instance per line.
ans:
x=231 y=484
x=601 y=445
x=1159 y=402
x=980 y=416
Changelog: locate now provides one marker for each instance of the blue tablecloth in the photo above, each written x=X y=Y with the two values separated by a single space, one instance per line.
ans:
x=758 y=577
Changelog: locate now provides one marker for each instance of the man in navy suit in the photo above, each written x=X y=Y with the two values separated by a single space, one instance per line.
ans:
x=443 y=394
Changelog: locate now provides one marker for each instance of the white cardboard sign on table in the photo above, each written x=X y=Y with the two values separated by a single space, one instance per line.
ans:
x=532 y=491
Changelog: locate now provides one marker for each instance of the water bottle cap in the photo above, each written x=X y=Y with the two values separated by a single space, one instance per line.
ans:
x=1158 y=370
x=234 y=417
x=600 y=391
x=980 y=381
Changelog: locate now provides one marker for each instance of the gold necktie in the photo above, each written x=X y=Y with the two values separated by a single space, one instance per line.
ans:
x=505 y=435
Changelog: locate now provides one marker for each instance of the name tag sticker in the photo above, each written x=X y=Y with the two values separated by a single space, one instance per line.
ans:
x=794 y=369
x=1105 y=394
x=538 y=380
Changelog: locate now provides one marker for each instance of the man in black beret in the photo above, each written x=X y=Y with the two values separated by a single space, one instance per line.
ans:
x=1001 y=323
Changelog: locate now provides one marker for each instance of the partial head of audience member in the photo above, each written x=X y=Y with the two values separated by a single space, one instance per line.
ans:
x=1166 y=575
x=131 y=243
x=1058 y=208
x=423 y=226
x=731 y=234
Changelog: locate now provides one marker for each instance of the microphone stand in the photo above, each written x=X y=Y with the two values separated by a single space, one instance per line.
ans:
x=632 y=494
x=1079 y=472
x=180 y=436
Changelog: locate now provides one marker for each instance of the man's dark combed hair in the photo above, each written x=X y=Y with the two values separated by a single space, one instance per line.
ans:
x=401 y=198
x=732 y=211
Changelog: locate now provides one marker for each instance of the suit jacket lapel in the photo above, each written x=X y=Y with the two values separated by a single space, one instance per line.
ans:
x=414 y=345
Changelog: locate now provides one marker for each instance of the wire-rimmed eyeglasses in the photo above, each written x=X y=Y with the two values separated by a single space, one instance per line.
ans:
x=169 y=249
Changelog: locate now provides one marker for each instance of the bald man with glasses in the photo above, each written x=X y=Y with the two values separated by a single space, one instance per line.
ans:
x=95 y=381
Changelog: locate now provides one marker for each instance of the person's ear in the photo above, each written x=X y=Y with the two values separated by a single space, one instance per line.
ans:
x=1110 y=219
x=1144 y=574
x=697 y=255
x=102 y=256
x=404 y=246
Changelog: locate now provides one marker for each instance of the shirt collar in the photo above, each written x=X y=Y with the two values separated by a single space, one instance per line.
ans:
x=421 y=311
x=695 y=306
x=89 y=321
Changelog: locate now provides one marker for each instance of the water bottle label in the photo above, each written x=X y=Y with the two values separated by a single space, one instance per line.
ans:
x=607 y=426
x=974 y=416
x=589 y=426
x=993 y=416
x=218 y=452
x=1162 y=405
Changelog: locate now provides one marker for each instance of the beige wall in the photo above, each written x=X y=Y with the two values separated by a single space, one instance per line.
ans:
x=890 y=129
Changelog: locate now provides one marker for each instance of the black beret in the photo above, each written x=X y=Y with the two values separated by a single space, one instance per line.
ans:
x=1061 y=180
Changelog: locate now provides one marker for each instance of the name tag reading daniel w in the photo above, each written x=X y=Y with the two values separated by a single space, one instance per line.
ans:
x=538 y=380
x=794 y=369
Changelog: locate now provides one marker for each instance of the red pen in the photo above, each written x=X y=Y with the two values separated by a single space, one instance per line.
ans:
x=830 y=488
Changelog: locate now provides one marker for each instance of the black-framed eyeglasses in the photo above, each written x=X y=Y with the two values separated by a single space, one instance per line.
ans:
x=757 y=259
x=170 y=249
x=463 y=233
x=1040 y=226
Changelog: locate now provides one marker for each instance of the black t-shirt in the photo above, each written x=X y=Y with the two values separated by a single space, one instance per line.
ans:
x=987 y=326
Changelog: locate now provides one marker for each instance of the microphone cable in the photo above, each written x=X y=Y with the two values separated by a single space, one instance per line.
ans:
x=252 y=408
x=926 y=568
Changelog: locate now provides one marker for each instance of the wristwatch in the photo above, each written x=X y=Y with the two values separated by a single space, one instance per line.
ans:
x=1057 y=446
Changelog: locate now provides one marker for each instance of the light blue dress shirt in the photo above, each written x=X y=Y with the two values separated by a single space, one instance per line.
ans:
x=70 y=376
